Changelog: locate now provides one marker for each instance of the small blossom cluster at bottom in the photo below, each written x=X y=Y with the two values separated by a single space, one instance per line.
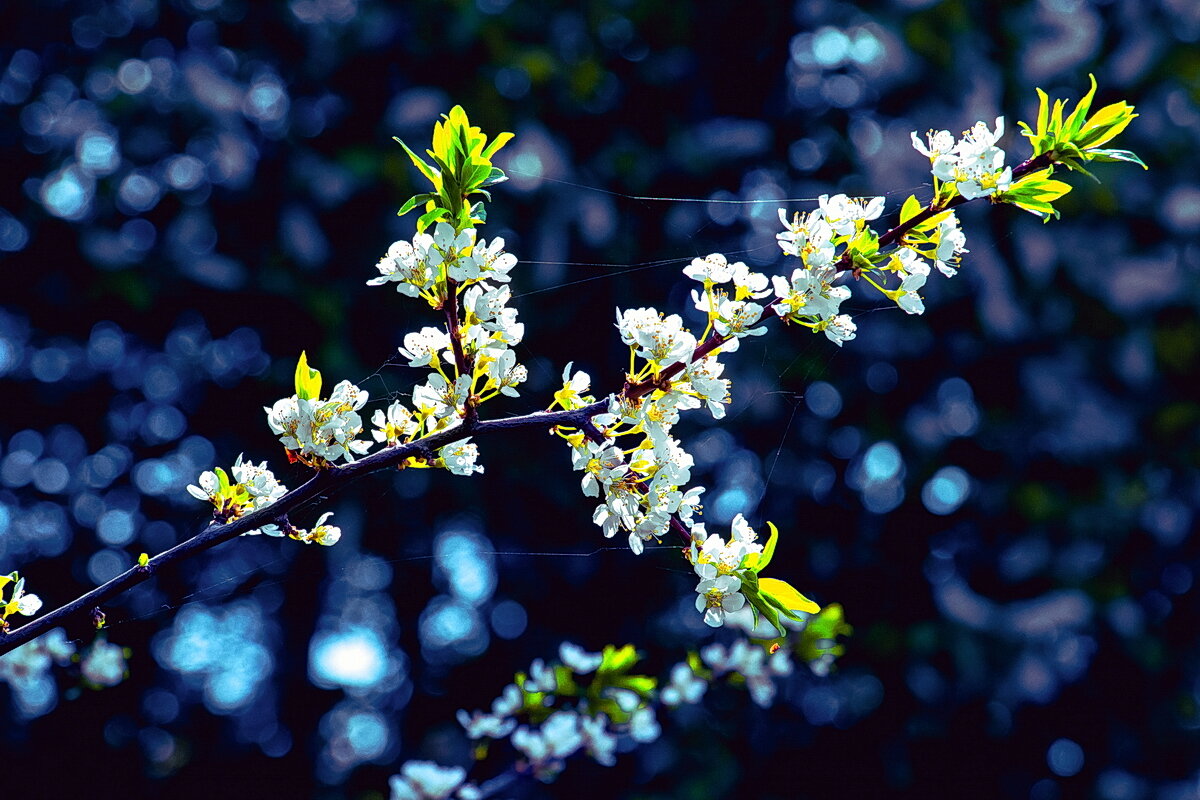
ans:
x=589 y=702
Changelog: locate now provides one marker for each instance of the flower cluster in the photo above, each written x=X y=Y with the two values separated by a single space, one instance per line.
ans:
x=641 y=486
x=716 y=562
x=317 y=432
x=26 y=669
x=732 y=317
x=752 y=663
x=421 y=267
x=809 y=295
x=974 y=164
x=592 y=703
x=586 y=702
x=471 y=361
x=253 y=487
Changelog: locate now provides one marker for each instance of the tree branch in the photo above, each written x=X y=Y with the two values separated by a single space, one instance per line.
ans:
x=321 y=482
x=332 y=477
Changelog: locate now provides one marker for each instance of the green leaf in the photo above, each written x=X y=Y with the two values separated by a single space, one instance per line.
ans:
x=420 y=164
x=308 y=381
x=642 y=684
x=414 y=201
x=761 y=560
x=820 y=634
x=143 y=560
x=1056 y=118
x=1043 y=112
x=475 y=178
x=788 y=597
x=761 y=607
x=617 y=659
x=865 y=243
x=777 y=604
x=222 y=480
x=1075 y=166
x=1105 y=125
x=497 y=176
x=1116 y=155
x=1075 y=122
x=912 y=206
x=500 y=140
x=430 y=217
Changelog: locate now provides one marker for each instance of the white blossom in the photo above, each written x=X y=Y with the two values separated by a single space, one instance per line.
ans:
x=840 y=329
x=643 y=726
x=323 y=533
x=407 y=265
x=460 y=457
x=504 y=371
x=907 y=297
x=711 y=269
x=809 y=238
x=208 y=486
x=545 y=748
x=439 y=398
x=480 y=725
x=601 y=744
x=29 y=665
x=717 y=596
x=425 y=780
x=259 y=482
x=580 y=661
x=843 y=213
x=748 y=283
x=704 y=378
x=684 y=686
x=737 y=318
x=451 y=250
x=394 y=426
x=952 y=243
x=661 y=341
x=575 y=386
x=752 y=662
x=326 y=429
x=541 y=677
x=421 y=347
x=103 y=664
x=974 y=163
x=809 y=294
x=494 y=263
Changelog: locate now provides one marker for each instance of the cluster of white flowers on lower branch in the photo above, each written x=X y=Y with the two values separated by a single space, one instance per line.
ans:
x=596 y=704
x=253 y=487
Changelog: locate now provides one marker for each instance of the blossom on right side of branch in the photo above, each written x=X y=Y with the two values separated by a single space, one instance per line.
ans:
x=318 y=432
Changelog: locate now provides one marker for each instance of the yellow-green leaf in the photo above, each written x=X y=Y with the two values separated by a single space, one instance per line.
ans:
x=308 y=381
x=500 y=140
x=759 y=561
x=787 y=595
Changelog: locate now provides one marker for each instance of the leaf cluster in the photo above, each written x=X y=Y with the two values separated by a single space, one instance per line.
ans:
x=462 y=167
x=771 y=597
x=1077 y=138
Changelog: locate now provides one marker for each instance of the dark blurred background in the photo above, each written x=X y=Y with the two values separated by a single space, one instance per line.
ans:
x=1001 y=493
